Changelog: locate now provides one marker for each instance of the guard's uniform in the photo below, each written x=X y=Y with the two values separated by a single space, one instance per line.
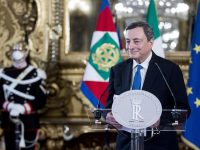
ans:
x=26 y=87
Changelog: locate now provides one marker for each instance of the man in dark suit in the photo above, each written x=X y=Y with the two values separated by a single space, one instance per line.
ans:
x=139 y=42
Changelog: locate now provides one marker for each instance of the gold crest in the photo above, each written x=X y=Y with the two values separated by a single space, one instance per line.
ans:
x=106 y=56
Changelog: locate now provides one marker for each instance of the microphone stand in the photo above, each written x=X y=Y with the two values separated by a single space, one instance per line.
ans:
x=98 y=111
x=97 y=115
x=175 y=113
x=107 y=141
x=137 y=139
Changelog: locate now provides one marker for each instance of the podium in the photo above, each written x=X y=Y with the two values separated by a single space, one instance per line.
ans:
x=150 y=117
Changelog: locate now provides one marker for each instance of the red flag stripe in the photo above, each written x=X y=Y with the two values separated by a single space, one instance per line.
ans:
x=97 y=88
x=105 y=21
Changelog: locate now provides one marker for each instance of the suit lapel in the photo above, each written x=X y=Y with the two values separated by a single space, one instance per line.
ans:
x=151 y=74
x=126 y=75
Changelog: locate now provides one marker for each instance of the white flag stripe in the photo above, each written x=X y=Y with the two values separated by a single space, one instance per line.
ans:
x=158 y=49
x=92 y=75
x=97 y=35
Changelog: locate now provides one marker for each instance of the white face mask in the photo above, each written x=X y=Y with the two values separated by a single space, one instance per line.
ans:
x=17 y=55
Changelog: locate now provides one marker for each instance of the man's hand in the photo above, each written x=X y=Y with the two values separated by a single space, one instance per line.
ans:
x=111 y=120
x=14 y=113
x=16 y=110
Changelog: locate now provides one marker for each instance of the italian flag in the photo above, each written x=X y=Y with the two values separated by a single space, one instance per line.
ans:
x=153 y=22
x=104 y=53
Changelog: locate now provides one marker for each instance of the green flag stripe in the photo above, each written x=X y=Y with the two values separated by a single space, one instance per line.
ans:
x=152 y=19
x=104 y=54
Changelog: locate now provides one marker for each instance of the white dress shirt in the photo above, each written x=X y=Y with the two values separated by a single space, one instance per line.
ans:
x=143 y=71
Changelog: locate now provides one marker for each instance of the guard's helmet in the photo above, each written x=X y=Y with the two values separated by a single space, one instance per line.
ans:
x=20 y=46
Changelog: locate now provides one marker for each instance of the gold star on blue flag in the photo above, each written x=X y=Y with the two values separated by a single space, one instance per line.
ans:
x=192 y=134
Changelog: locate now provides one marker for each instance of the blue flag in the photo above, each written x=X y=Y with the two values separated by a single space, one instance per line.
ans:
x=192 y=134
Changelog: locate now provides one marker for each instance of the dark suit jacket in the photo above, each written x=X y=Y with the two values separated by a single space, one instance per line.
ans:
x=120 y=81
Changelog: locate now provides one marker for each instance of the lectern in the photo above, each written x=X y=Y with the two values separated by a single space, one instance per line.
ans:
x=138 y=112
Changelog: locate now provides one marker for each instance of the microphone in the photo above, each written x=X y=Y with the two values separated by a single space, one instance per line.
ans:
x=167 y=84
x=98 y=112
x=175 y=113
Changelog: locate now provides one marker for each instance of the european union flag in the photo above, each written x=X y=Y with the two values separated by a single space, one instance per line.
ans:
x=192 y=134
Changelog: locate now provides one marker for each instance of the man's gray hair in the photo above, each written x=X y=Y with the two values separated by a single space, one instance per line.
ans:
x=148 y=31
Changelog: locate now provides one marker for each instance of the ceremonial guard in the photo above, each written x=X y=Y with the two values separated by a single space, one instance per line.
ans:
x=22 y=94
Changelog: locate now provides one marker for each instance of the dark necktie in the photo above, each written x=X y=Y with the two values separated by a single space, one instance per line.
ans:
x=137 y=79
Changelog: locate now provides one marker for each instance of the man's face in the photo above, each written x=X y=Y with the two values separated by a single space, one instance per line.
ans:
x=18 y=53
x=137 y=45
